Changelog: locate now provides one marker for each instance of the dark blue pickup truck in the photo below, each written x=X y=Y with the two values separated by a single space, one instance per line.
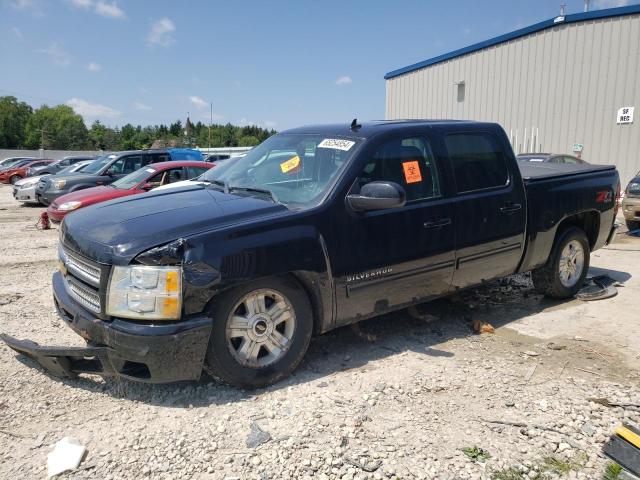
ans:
x=315 y=228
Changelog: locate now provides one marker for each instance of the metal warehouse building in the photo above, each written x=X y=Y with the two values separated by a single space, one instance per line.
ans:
x=565 y=85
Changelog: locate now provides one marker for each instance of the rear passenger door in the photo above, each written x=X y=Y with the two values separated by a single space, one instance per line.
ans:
x=490 y=207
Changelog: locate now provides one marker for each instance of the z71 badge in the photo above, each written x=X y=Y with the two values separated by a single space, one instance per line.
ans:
x=368 y=275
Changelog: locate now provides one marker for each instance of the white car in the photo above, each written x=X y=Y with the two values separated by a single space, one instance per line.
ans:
x=25 y=190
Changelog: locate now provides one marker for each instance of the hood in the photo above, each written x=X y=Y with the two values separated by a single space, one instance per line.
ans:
x=89 y=196
x=34 y=179
x=79 y=177
x=118 y=230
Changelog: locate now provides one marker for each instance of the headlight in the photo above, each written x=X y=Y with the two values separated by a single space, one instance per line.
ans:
x=68 y=206
x=58 y=184
x=28 y=184
x=145 y=293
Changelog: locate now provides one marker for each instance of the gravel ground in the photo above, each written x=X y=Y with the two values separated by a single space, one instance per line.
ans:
x=399 y=397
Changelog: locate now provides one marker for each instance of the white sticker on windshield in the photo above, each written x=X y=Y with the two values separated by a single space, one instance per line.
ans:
x=536 y=160
x=336 y=143
x=149 y=170
x=112 y=156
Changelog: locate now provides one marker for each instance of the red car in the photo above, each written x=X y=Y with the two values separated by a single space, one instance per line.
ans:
x=19 y=170
x=140 y=181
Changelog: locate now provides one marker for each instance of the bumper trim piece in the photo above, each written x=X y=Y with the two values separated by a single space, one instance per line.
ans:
x=64 y=362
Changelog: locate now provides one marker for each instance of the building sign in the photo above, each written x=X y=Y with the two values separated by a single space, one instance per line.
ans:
x=625 y=115
x=577 y=147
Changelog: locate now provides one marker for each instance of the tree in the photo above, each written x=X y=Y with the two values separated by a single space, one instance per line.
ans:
x=103 y=138
x=175 y=129
x=248 y=141
x=57 y=128
x=14 y=116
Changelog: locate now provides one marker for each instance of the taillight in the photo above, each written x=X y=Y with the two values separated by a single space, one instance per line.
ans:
x=617 y=204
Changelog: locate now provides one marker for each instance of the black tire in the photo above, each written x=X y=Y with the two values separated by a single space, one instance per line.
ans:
x=221 y=364
x=15 y=178
x=546 y=280
x=632 y=225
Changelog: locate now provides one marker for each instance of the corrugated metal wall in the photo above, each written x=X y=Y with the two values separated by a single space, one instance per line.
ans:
x=549 y=90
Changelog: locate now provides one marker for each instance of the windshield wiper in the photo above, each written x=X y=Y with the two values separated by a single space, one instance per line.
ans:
x=220 y=183
x=263 y=191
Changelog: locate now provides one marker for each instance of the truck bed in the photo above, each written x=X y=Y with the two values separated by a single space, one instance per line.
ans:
x=532 y=172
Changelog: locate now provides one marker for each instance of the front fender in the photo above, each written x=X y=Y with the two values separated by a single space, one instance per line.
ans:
x=215 y=262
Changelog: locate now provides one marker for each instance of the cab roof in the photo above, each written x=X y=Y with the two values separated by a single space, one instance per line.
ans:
x=375 y=127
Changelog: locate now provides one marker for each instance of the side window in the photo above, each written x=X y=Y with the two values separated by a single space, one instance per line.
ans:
x=158 y=157
x=478 y=161
x=132 y=163
x=126 y=165
x=570 y=160
x=65 y=163
x=408 y=162
x=193 y=172
x=174 y=175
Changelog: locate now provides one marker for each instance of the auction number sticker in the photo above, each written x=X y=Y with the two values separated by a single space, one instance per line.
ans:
x=336 y=143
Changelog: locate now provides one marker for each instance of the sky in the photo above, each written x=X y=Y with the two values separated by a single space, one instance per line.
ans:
x=273 y=63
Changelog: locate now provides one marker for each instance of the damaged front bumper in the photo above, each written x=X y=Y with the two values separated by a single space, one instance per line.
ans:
x=152 y=353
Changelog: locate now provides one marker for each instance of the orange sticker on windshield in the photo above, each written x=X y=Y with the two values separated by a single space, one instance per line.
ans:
x=291 y=165
x=412 y=172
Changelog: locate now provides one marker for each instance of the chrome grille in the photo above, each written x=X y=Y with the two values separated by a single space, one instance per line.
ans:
x=84 y=294
x=81 y=267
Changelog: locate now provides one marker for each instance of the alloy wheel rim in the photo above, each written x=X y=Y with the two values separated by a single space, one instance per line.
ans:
x=260 y=328
x=571 y=263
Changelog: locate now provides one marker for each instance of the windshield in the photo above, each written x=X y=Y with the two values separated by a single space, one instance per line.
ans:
x=98 y=164
x=78 y=167
x=297 y=169
x=134 y=178
x=19 y=163
x=11 y=163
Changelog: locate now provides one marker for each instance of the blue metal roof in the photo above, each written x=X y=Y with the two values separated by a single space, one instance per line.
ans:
x=573 y=18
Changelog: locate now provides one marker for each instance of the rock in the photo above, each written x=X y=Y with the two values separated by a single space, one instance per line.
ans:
x=588 y=429
x=257 y=436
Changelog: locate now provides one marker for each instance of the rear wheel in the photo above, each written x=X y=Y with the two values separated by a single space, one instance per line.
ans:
x=567 y=266
x=260 y=333
x=14 y=179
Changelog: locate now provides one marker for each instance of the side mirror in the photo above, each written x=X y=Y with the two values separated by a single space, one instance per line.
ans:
x=378 y=196
x=148 y=186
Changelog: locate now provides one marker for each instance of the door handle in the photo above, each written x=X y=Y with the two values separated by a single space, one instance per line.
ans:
x=437 y=223
x=514 y=207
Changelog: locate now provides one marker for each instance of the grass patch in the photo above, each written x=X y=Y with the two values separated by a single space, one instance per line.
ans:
x=550 y=465
x=612 y=472
x=508 y=474
x=476 y=453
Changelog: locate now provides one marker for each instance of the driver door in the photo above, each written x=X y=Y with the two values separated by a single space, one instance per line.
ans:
x=394 y=257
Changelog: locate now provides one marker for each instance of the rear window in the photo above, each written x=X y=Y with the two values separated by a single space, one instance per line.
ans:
x=478 y=161
x=186 y=155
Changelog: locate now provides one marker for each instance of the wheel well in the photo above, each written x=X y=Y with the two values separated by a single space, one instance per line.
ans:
x=589 y=222
x=307 y=285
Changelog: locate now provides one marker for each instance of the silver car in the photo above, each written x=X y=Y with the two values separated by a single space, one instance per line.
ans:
x=25 y=190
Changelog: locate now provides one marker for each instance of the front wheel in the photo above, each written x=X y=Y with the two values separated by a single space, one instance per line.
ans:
x=260 y=333
x=567 y=266
x=15 y=178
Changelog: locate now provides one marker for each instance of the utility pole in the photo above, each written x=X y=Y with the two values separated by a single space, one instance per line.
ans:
x=42 y=133
x=210 y=122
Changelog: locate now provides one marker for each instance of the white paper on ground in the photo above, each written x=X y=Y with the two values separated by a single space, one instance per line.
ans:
x=66 y=455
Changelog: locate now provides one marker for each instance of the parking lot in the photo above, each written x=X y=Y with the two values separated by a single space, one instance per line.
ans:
x=399 y=397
